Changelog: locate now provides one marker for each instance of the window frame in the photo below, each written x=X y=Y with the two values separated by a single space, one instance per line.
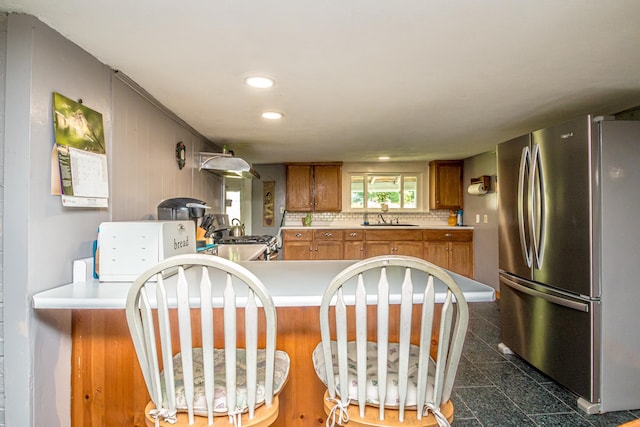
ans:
x=421 y=197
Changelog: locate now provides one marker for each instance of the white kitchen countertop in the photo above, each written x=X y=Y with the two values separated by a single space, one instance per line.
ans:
x=237 y=253
x=291 y=284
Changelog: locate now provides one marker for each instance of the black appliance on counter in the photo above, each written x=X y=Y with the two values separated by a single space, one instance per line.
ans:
x=181 y=208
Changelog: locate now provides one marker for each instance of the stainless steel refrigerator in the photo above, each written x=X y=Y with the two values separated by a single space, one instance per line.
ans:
x=569 y=257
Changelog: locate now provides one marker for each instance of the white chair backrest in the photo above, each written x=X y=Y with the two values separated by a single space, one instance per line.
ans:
x=369 y=282
x=210 y=282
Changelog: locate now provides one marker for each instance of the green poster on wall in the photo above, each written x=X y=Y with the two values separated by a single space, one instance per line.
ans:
x=82 y=178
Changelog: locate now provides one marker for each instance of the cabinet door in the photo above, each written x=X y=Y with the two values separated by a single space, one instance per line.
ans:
x=328 y=249
x=328 y=244
x=297 y=244
x=445 y=184
x=407 y=248
x=327 y=185
x=297 y=250
x=299 y=188
x=353 y=250
x=460 y=258
x=378 y=247
x=437 y=253
x=353 y=244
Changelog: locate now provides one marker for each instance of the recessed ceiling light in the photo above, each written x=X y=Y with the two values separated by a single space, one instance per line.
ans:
x=259 y=82
x=384 y=158
x=272 y=115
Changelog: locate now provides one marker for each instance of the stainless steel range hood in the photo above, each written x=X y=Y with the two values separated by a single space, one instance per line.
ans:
x=227 y=165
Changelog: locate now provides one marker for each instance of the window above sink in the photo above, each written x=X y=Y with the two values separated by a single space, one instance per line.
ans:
x=393 y=187
x=384 y=191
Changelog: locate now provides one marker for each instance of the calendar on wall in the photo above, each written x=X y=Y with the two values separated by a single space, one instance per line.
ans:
x=79 y=172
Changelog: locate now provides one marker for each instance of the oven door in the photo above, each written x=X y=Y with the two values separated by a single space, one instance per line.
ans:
x=271 y=254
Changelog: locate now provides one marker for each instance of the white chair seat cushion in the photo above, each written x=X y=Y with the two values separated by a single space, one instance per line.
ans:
x=392 y=399
x=281 y=373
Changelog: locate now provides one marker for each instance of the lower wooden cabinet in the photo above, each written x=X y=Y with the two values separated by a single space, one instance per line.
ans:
x=328 y=244
x=393 y=242
x=450 y=249
x=297 y=244
x=312 y=244
x=353 y=244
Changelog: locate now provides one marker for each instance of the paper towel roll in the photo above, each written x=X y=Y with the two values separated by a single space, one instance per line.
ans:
x=477 y=188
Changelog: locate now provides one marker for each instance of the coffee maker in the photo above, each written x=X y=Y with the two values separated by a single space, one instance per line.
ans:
x=181 y=208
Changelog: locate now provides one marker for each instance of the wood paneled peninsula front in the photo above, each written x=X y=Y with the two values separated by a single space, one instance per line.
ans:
x=447 y=247
x=107 y=386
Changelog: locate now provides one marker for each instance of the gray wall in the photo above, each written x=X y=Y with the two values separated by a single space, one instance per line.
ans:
x=40 y=237
x=485 y=247
x=3 y=55
x=143 y=166
x=276 y=173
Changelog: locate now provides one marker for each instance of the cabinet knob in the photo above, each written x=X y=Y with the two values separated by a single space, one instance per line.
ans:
x=298 y=234
x=448 y=235
x=328 y=234
x=353 y=234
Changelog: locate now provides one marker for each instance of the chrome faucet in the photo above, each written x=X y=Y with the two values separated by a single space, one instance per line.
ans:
x=381 y=219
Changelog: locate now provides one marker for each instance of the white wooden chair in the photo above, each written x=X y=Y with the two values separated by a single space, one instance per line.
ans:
x=376 y=374
x=172 y=323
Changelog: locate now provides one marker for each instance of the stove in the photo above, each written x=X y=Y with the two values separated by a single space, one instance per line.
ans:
x=270 y=243
x=242 y=240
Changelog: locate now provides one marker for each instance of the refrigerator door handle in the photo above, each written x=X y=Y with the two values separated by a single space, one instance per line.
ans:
x=537 y=194
x=575 y=305
x=525 y=161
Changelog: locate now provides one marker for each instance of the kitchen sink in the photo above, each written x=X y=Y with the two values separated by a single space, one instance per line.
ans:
x=389 y=225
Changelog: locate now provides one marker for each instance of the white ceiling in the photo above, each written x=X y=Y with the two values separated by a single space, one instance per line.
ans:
x=412 y=79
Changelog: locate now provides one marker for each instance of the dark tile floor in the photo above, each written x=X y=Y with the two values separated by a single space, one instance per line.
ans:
x=492 y=389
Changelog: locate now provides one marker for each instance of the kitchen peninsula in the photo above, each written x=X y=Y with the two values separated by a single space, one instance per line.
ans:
x=107 y=386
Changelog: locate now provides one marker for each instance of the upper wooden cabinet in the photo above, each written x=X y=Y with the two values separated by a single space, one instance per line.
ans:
x=445 y=184
x=314 y=187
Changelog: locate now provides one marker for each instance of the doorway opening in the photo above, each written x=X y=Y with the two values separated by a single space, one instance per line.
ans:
x=237 y=197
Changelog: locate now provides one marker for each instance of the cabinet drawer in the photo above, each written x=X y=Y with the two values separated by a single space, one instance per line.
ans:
x=328 y=235
x=448 y=235
x=395 y=235
x=353 y=234
x=293 y=235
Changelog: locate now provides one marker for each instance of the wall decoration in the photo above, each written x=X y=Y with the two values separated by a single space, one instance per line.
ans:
x=268 y=197
x=181 y=154
x=78 y=160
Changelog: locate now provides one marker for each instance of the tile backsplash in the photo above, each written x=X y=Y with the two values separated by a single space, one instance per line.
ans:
x=435 y=217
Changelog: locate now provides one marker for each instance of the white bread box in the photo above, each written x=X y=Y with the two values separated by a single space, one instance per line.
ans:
x=128 y=248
